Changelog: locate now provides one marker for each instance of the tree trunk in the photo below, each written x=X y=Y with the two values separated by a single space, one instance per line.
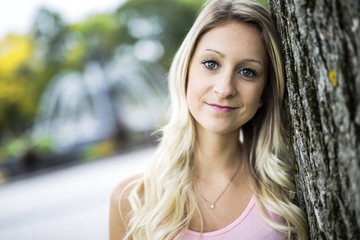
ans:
x=321 y=49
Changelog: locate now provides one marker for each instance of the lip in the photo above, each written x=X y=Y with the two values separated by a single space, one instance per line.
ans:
x=221 y=108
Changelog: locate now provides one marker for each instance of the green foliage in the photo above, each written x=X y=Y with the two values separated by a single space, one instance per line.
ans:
x=16 y=147
x=170 y=21
x=95 y=39
x=53 y=46
x=100 y=149
x=28 y=63
x=16 y=97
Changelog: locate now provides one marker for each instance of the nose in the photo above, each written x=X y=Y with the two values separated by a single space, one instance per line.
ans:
x=224 y=86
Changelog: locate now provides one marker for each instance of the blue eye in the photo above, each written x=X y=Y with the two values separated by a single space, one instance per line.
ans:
x=247 y=72
x=210 y=64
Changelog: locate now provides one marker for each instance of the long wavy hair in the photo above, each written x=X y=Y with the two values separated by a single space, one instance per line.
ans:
x=163 y=201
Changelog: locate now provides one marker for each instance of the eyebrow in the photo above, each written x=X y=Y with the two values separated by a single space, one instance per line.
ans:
x=212 y=50
x=223 y=55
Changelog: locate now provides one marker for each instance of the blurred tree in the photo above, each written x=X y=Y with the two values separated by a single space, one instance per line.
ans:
x=95 y=39
x=158 y=24
x=150 y=31
x=49 y=33
x=16 y=103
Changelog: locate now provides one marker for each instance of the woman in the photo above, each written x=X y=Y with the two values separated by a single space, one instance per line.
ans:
x=221 y=169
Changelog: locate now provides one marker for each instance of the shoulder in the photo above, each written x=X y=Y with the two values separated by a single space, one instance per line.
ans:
x=120 y=207
x=124 y=188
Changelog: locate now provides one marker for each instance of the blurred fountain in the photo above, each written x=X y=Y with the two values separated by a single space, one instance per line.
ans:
x=77 y=109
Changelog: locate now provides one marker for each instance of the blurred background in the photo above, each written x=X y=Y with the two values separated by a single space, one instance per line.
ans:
x=83 y=86
x=77 y=83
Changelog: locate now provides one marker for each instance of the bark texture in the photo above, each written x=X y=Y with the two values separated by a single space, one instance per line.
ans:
x=321 y=46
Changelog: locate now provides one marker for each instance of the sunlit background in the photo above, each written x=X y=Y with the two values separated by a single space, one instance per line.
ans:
x=83 y=86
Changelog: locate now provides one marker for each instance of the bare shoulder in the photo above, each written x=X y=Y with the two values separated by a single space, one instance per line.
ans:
x=120 y=207
x=124 y=188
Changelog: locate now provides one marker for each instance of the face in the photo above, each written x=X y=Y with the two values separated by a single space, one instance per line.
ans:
x=227 y=76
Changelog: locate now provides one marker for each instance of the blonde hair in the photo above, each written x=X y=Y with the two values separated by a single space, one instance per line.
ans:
x=163 y=201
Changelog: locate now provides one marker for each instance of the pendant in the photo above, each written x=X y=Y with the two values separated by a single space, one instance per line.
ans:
x=212 y=206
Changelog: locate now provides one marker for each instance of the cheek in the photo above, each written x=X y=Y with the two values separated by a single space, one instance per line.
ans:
x=189 y=91
x=258 y=94
x=191 y=95
x=193 y=88
x=251 y=95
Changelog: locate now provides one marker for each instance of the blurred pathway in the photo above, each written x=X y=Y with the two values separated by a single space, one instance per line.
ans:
x=67 y=204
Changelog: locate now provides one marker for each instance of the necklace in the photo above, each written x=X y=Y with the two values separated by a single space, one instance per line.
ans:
x=212 y=204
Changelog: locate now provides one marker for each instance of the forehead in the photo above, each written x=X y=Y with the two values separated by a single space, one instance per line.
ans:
x=234 y=38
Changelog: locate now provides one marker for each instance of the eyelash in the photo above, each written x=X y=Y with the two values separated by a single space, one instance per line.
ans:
x=253 y=72
x=206 y=61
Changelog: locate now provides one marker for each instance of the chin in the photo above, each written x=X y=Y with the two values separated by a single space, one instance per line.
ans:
x=220 y=129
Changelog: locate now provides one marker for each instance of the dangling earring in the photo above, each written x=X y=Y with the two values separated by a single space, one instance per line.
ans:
x=241 y=136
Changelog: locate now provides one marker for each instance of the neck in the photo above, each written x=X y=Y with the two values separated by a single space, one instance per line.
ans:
x=217 y=154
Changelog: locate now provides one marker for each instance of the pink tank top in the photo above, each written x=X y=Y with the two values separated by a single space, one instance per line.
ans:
x=249 y=226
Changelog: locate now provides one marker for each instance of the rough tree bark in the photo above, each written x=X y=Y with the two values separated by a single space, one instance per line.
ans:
x=321 y=47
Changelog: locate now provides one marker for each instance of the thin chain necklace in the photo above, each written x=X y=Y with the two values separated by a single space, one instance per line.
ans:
x=212 y=204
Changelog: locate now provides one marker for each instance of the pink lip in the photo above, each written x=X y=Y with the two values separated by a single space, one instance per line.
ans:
x=220 y=108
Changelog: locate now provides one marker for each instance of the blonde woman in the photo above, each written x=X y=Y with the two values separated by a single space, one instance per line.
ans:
x=221 y=170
